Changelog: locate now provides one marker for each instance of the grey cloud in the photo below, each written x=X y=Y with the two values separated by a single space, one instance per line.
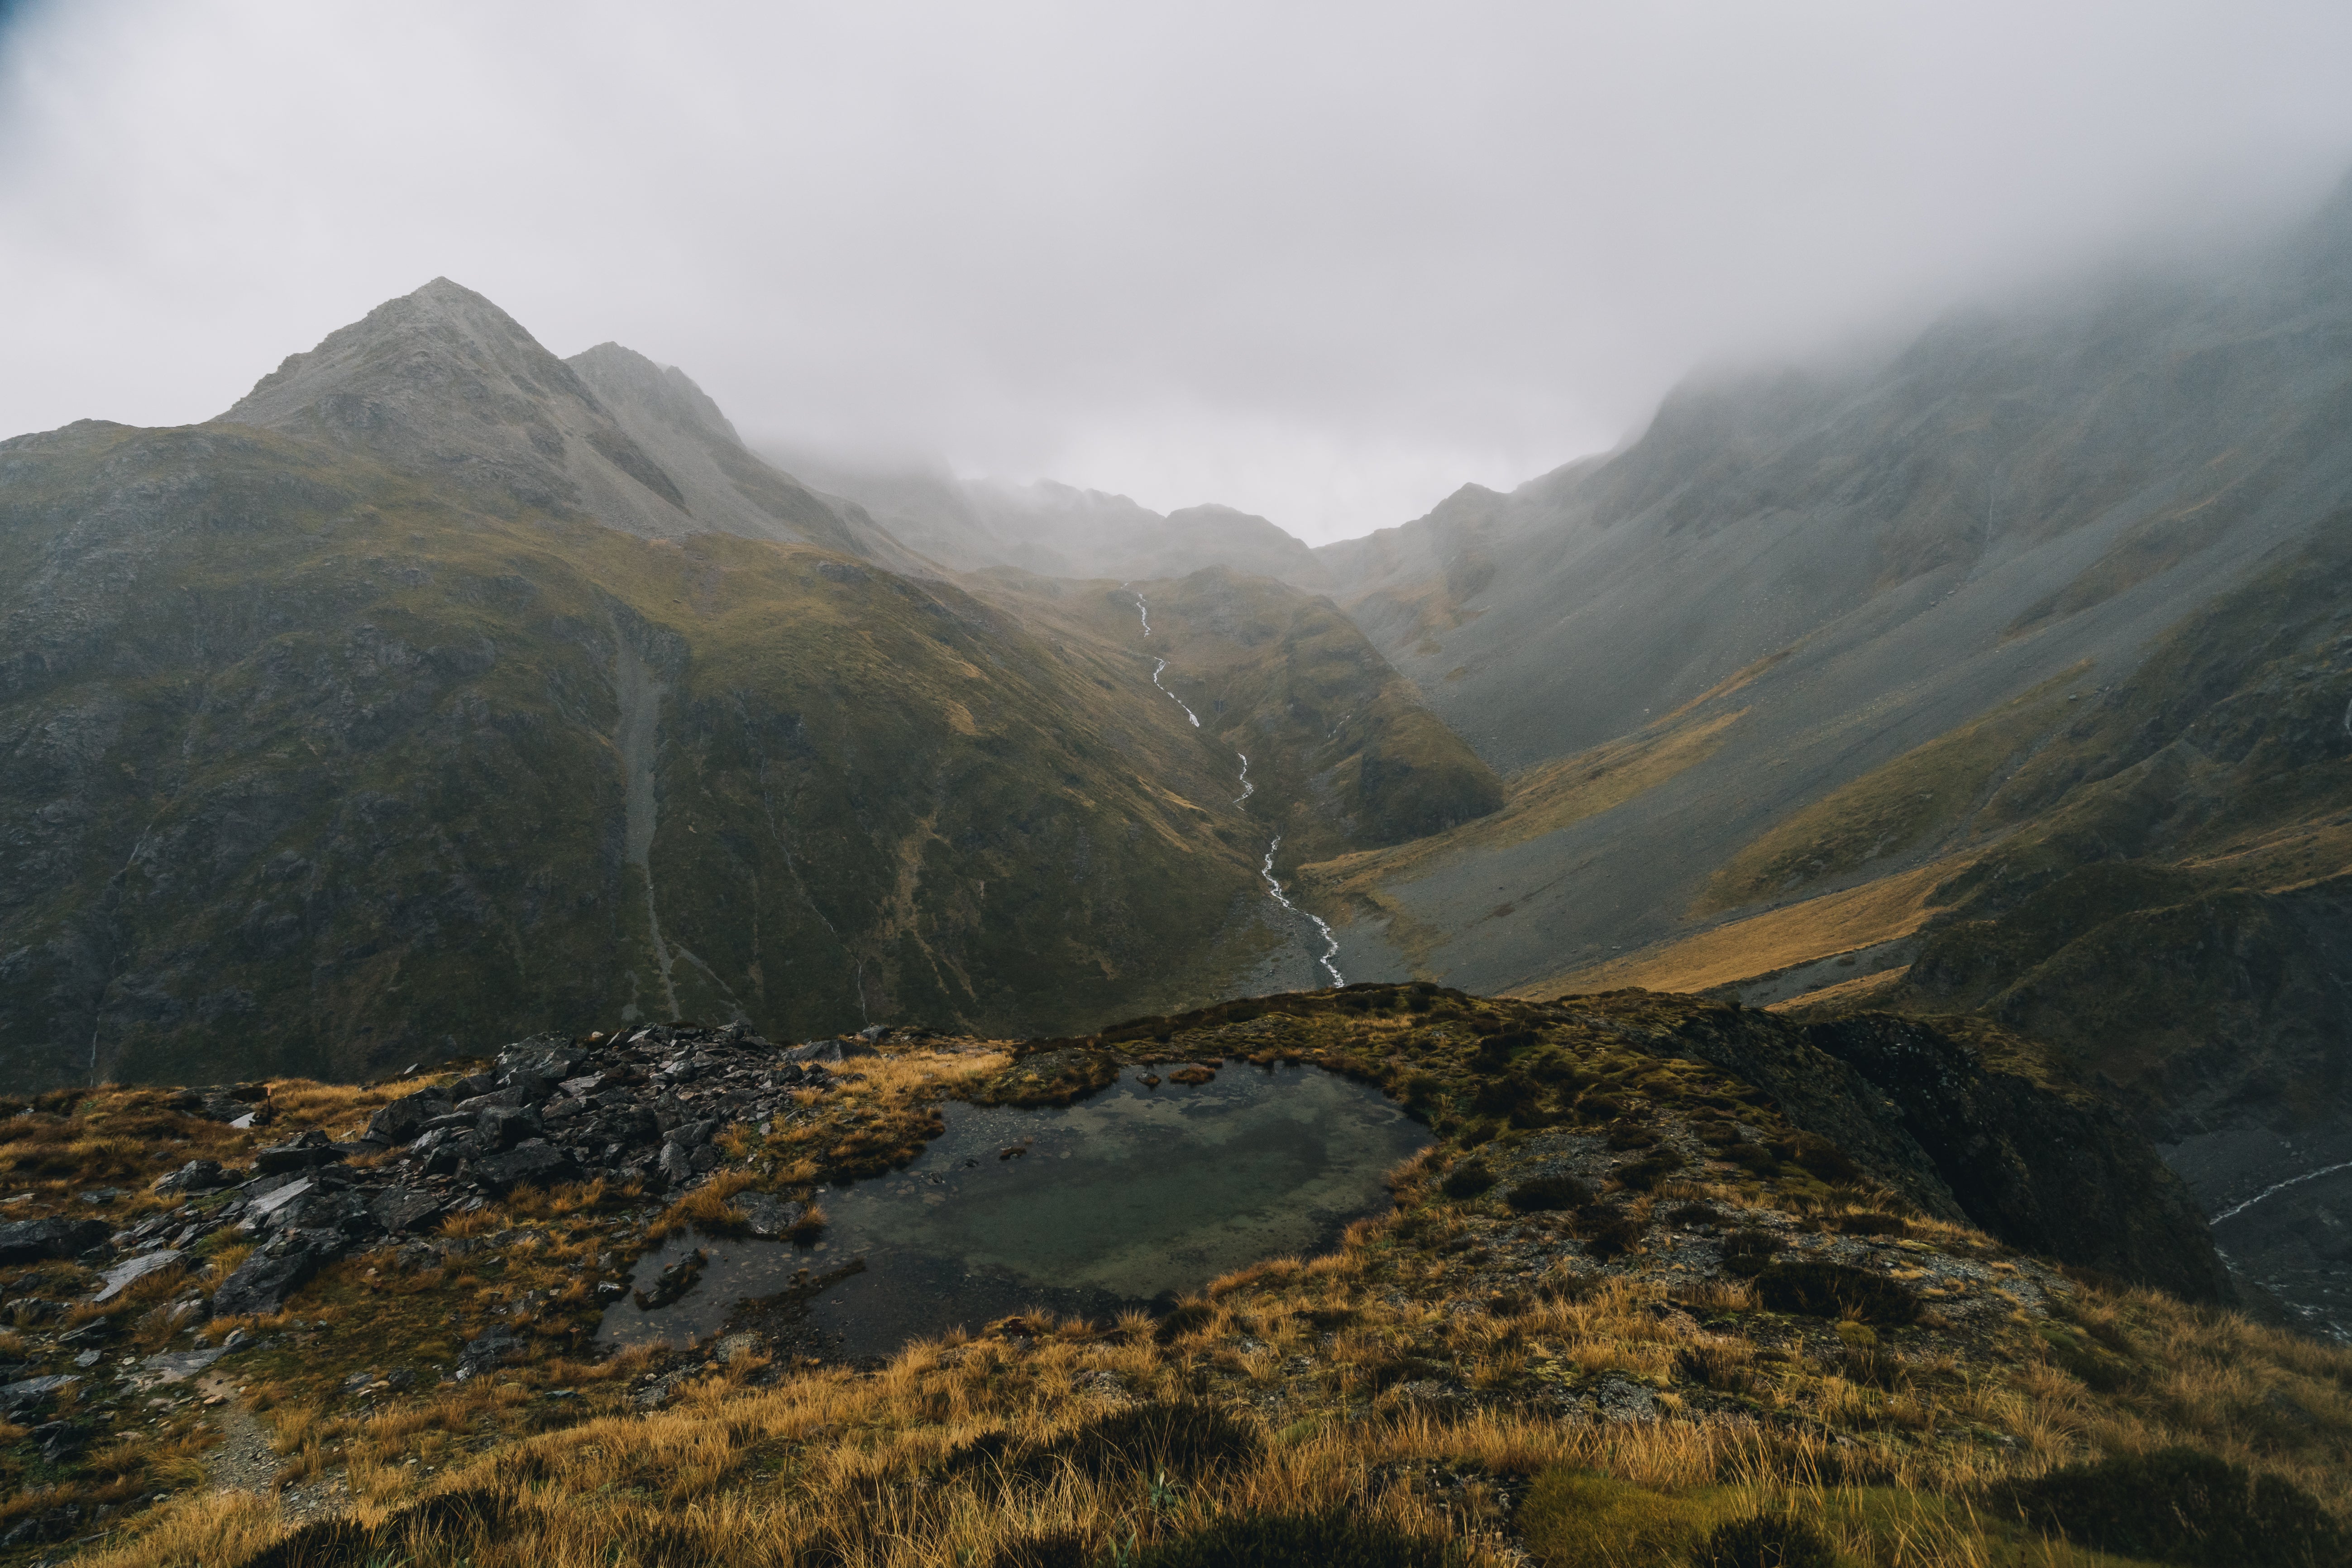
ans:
x=1321 y=262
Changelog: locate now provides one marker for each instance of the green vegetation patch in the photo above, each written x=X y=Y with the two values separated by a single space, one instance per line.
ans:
x=2179 y=1505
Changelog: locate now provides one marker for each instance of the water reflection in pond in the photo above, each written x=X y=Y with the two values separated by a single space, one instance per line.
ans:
x=1131 y=1194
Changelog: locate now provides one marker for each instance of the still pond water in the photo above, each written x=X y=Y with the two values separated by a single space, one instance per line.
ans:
x=1132 y=1195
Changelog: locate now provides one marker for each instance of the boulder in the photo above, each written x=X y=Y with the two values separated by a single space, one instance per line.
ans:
x=123 y=1275
x=29 y=1394
x=533 y=1162
x=769 y=1215
x=306 y=1153
x=402 y=1211
x=404 y=1117
x=36 y=1240
x=828 y=1051
x=504 y=1126
x=265 y=1210
x=487 y=1350
x=195 y=1176
x=263 y=1281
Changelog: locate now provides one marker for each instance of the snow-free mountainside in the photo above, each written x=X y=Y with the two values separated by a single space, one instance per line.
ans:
x=1853 y=884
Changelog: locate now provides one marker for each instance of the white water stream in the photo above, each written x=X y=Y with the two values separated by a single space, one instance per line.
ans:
x=1283 y=899
x=2236 y=1209
x=1171 y=697
x=1332 y=949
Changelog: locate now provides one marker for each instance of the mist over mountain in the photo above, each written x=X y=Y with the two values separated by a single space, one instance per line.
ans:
x=1826 y=673
x=1054 y=530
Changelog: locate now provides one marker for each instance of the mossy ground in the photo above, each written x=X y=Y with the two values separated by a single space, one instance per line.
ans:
x=1496 y=1378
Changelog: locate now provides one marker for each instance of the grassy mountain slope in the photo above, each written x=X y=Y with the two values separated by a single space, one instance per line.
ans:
x=1343 y=753
x=309 y=768
x=2151 y=877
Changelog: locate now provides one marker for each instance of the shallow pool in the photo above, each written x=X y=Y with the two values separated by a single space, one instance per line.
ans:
x=1133 y=1195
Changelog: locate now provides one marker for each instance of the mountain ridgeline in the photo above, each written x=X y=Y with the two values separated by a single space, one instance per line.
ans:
x=444 y=686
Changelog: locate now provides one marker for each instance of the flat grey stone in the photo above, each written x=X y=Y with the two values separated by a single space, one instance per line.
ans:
x=173 y=1366
x=259 y=1211
x=120 y=1278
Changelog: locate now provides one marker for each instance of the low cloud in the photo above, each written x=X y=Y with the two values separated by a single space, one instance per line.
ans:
x=1321 y=262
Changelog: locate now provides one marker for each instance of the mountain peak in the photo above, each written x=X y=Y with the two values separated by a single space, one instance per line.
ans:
x=622 y=376
x=443 y=382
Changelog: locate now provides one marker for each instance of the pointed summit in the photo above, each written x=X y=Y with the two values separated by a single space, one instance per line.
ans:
x=444 y=384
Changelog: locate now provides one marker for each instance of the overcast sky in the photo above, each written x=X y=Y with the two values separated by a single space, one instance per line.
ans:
x=1322 y=262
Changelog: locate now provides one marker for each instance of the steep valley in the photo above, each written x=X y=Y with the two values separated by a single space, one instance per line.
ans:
x=1847 y=895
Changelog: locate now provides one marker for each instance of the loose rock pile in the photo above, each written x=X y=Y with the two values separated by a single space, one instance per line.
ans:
x=640 y=1106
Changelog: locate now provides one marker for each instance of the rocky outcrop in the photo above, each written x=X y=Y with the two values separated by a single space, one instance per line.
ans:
x=2054 y=1173
x=1925 y=1112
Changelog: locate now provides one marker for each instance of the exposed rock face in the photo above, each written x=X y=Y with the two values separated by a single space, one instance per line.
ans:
x=2054 y=1173
x=1922 y=1110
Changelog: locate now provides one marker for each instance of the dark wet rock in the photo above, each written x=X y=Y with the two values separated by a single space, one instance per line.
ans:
x=504 y=1126
x=533 y=1162
x=768 y=1215
x=831 y=1051
x=31 y=1393
x=404 y=1117
x=306 y=1153
x=403 y=1211
x=1923 y=1113
x=220 y=1102
x=263 y=1283
x=674 y=1281
x=532 y=1087
x=195 y=1176
x=272 y=1207
x=60 y=1440
x=36 y=1240
x=496 y=1347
